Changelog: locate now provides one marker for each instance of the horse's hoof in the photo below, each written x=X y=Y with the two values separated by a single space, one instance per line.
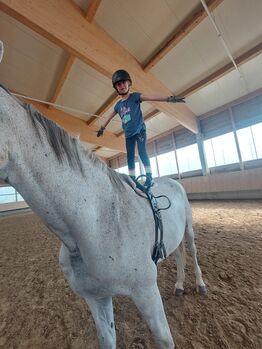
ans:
x=202 y=290
x=179 y=292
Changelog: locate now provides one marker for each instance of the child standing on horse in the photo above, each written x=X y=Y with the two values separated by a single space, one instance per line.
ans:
x=128 y=108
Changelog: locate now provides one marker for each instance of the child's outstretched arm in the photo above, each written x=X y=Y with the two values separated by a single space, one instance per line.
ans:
x=156 y=98
x=103 y=127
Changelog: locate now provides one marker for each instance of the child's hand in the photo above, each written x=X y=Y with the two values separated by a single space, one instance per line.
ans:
x=100 y=131
x=176 y=99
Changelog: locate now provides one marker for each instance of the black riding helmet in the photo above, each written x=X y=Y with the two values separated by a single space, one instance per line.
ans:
x=120 y=75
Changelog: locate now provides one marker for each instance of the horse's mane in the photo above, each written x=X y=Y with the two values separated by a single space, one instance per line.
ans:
x=67 y=147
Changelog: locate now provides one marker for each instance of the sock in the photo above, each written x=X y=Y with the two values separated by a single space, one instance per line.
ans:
x=148 y=169
x=132 y=172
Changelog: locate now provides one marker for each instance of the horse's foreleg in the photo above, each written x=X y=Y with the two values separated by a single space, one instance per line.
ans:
x=102 y=311
x=200 y=285
x=150 y=304
x=180 y=265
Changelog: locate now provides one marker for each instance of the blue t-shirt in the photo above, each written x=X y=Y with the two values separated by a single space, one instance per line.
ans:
x=131 y=115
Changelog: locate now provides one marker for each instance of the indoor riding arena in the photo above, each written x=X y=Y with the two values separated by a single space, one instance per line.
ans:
x=64 y=156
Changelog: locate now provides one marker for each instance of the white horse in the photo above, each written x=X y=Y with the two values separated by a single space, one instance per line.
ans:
x=106 y=228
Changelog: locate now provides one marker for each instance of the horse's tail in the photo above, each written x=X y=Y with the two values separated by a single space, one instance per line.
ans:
x=1 y=50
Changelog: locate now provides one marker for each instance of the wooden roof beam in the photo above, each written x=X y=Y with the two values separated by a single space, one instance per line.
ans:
x=245 y=57
x=104 y=108
x=62 y=79
x=66 y=27
x=91 y=11
x=96 y=148
x=152 y=114
x=180 y=34
x=177 y=37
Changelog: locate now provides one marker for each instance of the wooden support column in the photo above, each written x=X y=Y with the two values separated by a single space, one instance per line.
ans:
x=236 y=138
x=201 y=150
x=175 y=150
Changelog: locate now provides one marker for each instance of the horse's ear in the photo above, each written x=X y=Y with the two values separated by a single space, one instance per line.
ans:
x=1 y=50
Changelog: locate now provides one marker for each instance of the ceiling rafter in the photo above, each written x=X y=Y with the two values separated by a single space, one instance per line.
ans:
x=66 y=27
x=152 y=114
x=188 y=25
x=92 y=9
x=243 y=58
x=62 y=79
x=90 y=14
x=104 y=108
x=96 y=148
x=240 y=60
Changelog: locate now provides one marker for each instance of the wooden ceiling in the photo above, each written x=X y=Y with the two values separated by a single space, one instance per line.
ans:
x=65 y=52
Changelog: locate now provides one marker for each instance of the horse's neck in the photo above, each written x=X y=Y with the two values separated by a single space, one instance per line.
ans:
x=54 y=190
x=35 y=171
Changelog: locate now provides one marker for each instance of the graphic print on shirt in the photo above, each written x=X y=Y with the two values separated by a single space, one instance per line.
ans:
x=125 y=114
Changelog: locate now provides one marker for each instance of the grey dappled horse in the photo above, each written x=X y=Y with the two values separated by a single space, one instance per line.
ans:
x=106 y=228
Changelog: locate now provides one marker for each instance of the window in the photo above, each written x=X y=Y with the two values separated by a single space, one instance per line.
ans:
x=19 y=197
x=9 y=194
x=123 y=170
x=188 y=158
x=250 y=142
x=137 y=167
x=154 y=167
x=167 y=163
x=221 y=150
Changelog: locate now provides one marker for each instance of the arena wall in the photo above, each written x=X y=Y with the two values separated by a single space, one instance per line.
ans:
x=246 y=184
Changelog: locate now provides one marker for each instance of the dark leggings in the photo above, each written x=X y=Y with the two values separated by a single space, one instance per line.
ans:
x=140 y=139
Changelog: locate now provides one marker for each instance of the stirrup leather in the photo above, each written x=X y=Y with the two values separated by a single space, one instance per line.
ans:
x=159 y=250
